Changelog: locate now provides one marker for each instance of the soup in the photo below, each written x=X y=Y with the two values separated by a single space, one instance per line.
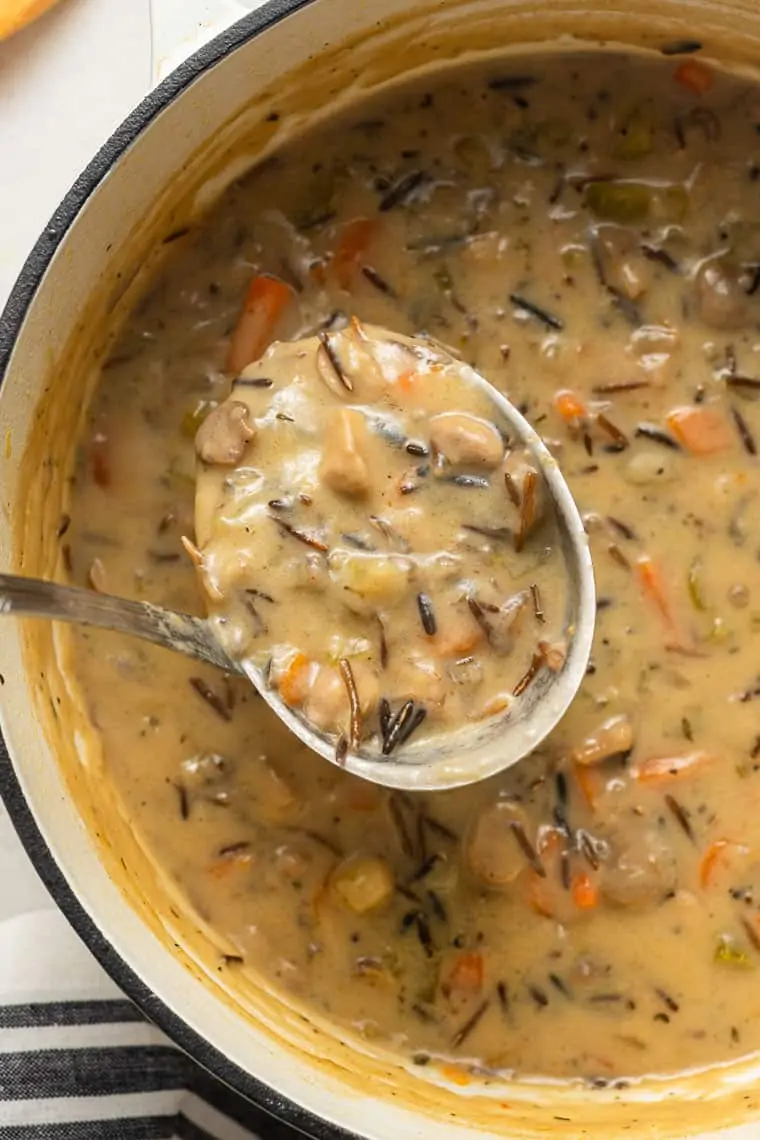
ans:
x=410 y=540
x=583 y=229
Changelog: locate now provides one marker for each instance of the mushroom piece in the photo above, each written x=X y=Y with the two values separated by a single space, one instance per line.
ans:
x=721 y=293
x=641 y=871
x=222 y=437
x=465 y=440
x=344 y=466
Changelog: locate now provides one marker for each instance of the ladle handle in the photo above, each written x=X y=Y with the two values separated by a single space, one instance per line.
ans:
x=32 y=597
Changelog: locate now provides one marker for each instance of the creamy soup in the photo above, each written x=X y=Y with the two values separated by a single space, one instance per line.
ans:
x=585 y=230
x=375 y=540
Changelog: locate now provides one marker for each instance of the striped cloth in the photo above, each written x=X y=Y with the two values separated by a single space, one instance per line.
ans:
x=79 y=1062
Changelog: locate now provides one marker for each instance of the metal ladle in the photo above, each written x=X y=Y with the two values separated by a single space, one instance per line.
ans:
x=451 y=759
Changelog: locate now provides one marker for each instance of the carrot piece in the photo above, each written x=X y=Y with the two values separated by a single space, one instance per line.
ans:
x=355 y=240
x=454 y=1074
x=266 y=300
x=467 y=972
x=658 y=769
x=584 y=891
x=695 y=76
x=702 y=430
x=406 y=381
x=570 y=406
x=292 y=682
x=653 y=584
x=709 y=860
x=713 y=855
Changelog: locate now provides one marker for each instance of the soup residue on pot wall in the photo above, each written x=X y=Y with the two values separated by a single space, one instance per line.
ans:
x=583 y=229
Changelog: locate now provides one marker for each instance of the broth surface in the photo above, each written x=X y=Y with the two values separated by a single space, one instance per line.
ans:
x=585 y=229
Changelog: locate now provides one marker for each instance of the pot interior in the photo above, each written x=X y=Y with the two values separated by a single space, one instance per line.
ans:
x=204 y=127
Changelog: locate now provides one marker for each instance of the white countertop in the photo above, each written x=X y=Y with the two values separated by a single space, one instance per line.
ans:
x=66 y=83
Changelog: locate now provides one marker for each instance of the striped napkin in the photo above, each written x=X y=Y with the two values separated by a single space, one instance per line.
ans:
x=79 y=1062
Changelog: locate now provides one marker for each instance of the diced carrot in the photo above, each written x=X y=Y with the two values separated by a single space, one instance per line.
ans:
x=454 y=1074
x=701 y=429
x=584 y=891
x=406 y=380
x=713 y=855
x=709 y=859
x=696 y=76
x=467 y=972
x=570 y=406
x=355 y=240
x=653 y=584
x=658 y=769
x=292 y=682
x=265 y=302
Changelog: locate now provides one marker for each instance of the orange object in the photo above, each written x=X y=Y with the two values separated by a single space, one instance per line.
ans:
x=584 y=891
x=696 y=76
x=16 y=14
x=658 y=769
x=266 y=300
x=355 y=240
x=292 y=683
x=570 y=406
x=467 y=972
x=709 y=860
x=653 y=584
x=701 y=429
x=454 y=1074
x=407 y=380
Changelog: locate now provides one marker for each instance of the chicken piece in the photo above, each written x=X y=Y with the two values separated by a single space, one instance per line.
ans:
x=344 y=465
x=224 y=434
x=466 y=441
x=327 y=704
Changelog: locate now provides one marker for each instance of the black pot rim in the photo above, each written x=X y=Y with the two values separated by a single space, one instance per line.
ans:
x=11 y=322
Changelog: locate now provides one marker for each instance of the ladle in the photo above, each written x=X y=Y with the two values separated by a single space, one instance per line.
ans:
x=462 y=756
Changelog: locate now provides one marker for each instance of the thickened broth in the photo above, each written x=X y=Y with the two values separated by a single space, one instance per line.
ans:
x=584 y=229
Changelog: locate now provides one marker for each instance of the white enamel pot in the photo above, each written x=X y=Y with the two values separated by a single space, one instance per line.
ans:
x=212 y=118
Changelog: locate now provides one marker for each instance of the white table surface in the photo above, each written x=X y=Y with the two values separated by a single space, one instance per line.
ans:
x=66 y=83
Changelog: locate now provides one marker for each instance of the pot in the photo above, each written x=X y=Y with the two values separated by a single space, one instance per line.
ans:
x=209 y=121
